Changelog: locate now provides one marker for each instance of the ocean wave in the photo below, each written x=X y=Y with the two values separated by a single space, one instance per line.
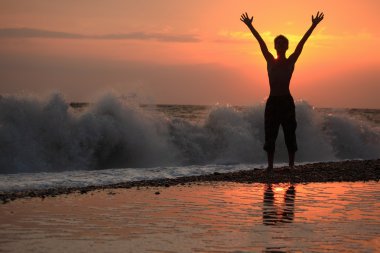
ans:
x=48 y=135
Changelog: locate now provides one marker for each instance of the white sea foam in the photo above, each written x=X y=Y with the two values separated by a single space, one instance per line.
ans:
x=80 y=178
x=47 y=135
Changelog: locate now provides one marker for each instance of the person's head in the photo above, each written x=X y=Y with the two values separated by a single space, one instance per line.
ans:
x=281 y=43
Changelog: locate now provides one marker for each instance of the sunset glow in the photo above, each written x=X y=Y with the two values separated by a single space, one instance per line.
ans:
x=196 y=52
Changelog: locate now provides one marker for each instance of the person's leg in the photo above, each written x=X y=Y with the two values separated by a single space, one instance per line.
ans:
x=272 y=125
x=289 y=126
x=271 y=132
x=291 y=158
x=291 y=143
x=270 y=155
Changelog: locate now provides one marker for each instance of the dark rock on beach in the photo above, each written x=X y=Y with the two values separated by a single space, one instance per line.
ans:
x=343 y=171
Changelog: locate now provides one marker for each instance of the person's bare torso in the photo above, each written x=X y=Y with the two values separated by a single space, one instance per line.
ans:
x=280 y=72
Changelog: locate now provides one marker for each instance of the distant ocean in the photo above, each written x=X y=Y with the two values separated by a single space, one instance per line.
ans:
x=47 y=143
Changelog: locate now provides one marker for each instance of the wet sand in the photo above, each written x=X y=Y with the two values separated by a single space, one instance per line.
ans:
x=344 y=171
x=202 y=217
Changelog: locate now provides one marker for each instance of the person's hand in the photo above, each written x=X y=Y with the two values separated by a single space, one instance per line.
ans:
x=318 y=18
x=245 y=19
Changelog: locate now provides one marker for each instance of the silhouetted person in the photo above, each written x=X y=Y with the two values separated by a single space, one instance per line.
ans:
x=271 y=216
x=280 y=108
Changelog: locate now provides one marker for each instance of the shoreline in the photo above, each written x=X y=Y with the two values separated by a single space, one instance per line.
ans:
x=342 y=171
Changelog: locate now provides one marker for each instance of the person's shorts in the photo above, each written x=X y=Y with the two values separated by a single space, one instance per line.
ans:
x=280 y=110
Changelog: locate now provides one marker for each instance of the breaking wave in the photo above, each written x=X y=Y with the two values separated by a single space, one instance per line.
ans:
x=48 y=135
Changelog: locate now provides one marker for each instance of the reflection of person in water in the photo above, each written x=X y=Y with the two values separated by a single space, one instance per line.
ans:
x=271 y=216
x=288 y=212
x=280 y=109
x=269 y=210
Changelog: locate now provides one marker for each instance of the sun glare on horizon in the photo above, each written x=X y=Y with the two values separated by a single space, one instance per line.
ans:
x=205 y=54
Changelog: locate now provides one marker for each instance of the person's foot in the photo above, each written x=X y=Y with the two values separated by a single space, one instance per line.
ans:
x=269 y=169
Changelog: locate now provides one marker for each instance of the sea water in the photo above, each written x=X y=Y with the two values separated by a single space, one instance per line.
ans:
x=50 y=142
x=210 y=217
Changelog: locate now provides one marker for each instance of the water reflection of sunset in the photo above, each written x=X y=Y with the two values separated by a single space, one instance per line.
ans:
x=206 y=217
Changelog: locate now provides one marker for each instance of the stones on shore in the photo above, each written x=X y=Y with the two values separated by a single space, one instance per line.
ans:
x=348 y=171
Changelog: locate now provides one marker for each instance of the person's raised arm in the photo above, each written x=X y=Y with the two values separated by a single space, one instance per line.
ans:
x=315 y=21
x=264 y=49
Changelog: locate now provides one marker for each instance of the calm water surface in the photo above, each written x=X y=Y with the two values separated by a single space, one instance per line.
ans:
x=217 y=217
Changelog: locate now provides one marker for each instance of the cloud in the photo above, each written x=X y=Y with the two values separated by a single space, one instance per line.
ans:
x=150 y=36
x=244 y=37
x=39 y=33
x=36 y=33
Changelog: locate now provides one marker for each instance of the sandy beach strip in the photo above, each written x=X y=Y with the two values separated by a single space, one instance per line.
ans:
x=342 y=171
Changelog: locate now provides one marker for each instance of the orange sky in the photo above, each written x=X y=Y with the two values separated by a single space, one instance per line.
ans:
x=188 y=52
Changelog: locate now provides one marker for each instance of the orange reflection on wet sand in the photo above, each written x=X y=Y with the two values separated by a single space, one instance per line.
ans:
x=206 y=217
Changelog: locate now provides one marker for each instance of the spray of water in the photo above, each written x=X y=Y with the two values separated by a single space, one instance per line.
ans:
x=49 y=135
